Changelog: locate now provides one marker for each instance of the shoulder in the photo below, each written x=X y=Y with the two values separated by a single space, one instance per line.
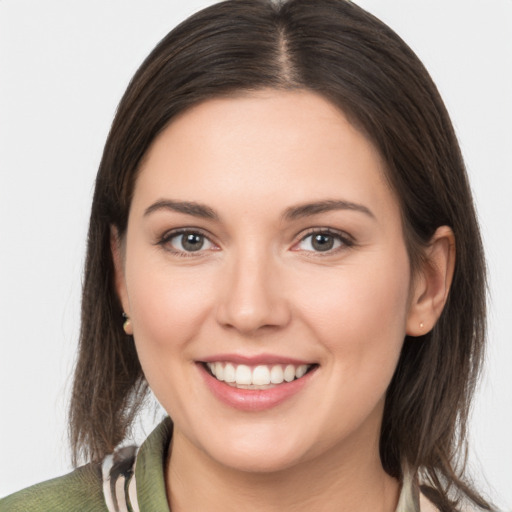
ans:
x=80 y=490
x=109 y=485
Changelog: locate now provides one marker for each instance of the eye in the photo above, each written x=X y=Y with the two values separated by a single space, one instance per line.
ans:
x=187 y=242
x=323 y=241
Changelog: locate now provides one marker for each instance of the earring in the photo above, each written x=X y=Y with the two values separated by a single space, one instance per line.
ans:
x=127 y=325
x=421 y=325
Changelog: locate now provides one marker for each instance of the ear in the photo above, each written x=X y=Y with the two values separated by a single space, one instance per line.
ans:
x=432 y=283
x=116 y=248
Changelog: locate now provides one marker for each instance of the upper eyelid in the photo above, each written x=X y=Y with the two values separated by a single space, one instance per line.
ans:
x=164 y=242
x=168 y=235
x=180 y=231
x=331 y=231
x=347 y=242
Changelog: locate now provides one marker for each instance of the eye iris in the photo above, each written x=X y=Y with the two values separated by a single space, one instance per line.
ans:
x=322 y=242
x=192 y=242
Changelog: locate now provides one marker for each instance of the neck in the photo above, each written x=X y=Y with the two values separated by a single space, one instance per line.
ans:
x=342 y=481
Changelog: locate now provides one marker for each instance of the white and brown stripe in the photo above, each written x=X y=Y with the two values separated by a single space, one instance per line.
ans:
x=119 y=484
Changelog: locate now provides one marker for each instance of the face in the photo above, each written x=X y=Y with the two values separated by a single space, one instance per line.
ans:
x=266 y=276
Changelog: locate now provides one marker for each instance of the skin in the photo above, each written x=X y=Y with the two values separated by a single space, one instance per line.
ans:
x=258 y=286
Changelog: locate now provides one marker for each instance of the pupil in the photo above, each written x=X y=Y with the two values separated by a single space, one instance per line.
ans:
x=192 y=242
x=323 y=242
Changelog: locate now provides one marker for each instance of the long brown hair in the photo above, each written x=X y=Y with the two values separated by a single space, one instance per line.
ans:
x=338 y=50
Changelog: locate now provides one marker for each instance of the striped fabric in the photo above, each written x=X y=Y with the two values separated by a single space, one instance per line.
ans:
x=119 y=484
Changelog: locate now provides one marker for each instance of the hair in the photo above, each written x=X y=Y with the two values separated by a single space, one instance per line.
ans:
x=337 y=50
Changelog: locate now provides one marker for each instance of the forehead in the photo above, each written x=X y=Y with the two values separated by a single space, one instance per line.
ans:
x=280 y=146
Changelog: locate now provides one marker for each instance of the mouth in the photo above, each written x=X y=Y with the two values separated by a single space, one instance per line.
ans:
x=257 y=377
x=256 y=384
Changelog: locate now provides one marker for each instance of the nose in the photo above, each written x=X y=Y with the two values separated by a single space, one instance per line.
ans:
x=253 y=298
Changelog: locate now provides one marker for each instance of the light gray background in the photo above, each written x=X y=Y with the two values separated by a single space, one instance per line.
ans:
x=64 y=65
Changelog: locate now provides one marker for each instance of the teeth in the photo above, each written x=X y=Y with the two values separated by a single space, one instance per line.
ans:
x=289 y=373
x=229 y=372
x=219 y=371
x=261 y=376
x=243 y=374
x=276 y=375
x=252 y=377
x=301 y=371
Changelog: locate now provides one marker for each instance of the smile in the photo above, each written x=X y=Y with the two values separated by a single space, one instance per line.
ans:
x=261 y=376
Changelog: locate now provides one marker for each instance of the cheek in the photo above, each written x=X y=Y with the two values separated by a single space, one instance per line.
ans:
x=168 y=306
x=359 y=317
x=360 y=313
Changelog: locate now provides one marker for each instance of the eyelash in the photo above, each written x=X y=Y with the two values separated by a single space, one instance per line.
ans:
x=166 y=239
x=345 y=240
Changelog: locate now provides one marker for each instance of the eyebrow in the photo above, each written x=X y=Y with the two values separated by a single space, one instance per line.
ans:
x=309 y=209
x=291 y=213
x=187 y=207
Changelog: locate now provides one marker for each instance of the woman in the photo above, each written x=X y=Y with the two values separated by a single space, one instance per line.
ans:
x=280 y=244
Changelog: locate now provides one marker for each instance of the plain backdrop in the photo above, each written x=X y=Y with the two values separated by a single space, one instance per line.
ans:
x=64 y=65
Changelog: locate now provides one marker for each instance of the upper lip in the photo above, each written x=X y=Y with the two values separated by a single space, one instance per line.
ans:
x=255 y=360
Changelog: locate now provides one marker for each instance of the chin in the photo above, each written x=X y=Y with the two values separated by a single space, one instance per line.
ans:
x=263 y=461
x=260 y=449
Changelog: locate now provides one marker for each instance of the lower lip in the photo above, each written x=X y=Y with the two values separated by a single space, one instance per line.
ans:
x=253 y=400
